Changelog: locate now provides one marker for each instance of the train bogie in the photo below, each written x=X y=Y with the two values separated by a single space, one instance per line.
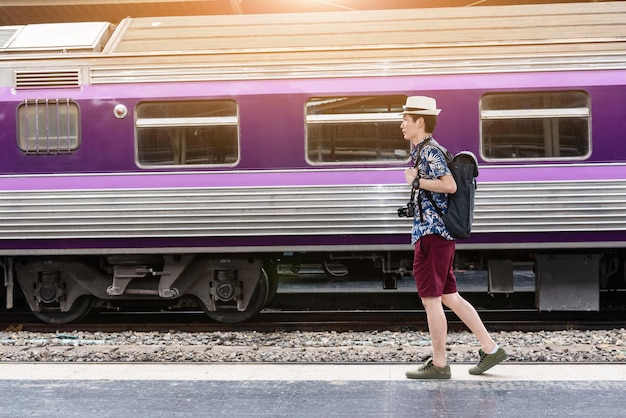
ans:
x=63 y=289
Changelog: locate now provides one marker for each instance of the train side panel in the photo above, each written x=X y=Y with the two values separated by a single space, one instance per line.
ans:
x=181 y=171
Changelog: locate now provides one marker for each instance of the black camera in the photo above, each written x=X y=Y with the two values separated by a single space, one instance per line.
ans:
x=408 y=211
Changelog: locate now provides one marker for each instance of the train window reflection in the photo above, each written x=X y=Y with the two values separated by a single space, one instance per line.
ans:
x=363 y=129
x=535 y=125
x=187 y=133
x=48 y=126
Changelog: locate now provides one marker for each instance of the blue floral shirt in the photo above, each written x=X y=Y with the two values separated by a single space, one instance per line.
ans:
x=432 y=165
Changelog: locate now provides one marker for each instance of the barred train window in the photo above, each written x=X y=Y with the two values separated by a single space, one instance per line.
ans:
x=364 y=129
x=48 y=126
x=187 y=133
x=535 y=125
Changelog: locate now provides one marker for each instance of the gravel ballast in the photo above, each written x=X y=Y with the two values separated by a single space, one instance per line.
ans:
x=300 y=346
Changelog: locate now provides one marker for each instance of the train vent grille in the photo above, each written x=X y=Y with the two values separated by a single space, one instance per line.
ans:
x=25 y=80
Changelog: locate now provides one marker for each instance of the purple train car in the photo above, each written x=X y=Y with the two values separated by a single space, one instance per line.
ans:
x=177 y=159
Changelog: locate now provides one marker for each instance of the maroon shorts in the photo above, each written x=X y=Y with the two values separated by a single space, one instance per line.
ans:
x=432 y=266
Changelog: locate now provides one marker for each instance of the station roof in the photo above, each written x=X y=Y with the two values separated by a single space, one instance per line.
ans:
x=21 y=12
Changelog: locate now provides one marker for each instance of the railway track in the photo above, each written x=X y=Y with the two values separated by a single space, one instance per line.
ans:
x=196 y=321
x=284 y=338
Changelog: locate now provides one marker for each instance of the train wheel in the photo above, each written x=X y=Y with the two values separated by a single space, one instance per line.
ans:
x=53 y=315
x=227 y=312
x=272 y=278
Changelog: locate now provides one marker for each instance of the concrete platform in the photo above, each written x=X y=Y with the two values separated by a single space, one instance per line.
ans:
x=307 y=390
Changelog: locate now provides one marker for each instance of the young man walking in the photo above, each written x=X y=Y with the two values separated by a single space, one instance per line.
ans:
x=434 y=246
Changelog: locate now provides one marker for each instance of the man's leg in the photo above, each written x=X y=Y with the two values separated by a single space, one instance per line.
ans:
x=466 y=312
x=438 y=328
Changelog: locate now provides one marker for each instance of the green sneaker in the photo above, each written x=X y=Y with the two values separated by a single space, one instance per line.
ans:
x=487 y=361
x=429 y=371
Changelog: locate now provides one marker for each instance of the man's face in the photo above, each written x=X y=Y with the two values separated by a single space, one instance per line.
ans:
x=409 y=127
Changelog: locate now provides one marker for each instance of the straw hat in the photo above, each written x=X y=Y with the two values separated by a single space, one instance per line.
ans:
x=420 y=105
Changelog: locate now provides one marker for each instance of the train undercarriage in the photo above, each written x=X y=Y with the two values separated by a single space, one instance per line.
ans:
x=61 y=290
x=234 y=288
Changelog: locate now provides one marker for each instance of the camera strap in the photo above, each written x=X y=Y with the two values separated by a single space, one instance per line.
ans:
x=416 y=166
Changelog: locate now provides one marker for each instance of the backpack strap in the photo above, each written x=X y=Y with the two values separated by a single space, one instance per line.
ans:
x=419 y=193
x=428 y=193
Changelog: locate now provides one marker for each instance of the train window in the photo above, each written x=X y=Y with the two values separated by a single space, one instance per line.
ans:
x=48 y=126
x=535 y=125
x=187 y=133
x=364 y=129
